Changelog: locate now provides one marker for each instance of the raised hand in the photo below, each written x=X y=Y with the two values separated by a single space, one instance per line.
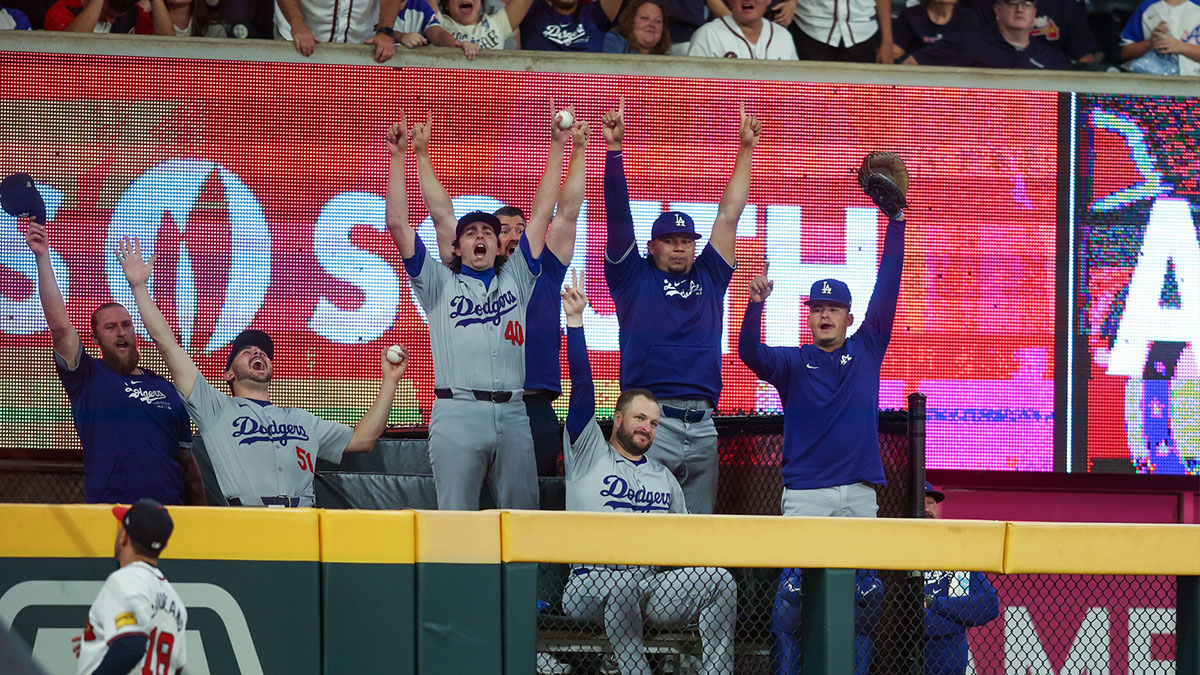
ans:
x=137 y=271
x=392 y=372
x=580 y=134
x=557 y=133
x=751 y=129
x=421 y=133
x=397 y=137
x=614 y=126
x=574 y=299
x=36 y=238
x=760 y=286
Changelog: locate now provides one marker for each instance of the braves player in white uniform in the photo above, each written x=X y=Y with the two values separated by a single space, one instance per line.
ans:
x=478 y=429
x=616 y=476
x=137 y=622
x=263 y=455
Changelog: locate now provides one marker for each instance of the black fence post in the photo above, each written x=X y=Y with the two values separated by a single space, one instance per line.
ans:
x=916 y=455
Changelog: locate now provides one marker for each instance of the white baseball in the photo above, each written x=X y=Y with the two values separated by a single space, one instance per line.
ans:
x=395 y=354
x=565 y=119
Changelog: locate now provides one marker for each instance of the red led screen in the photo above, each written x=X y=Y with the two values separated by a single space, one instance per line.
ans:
x=260 y=186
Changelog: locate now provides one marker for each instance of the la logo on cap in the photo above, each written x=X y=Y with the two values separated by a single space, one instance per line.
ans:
x=826 y=289
x=679 y=221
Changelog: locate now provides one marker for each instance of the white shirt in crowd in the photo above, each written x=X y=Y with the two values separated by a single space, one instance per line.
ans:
x=723 y=37
x=838 y=23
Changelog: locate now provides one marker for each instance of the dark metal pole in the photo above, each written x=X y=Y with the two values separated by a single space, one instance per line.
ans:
x=916 y=455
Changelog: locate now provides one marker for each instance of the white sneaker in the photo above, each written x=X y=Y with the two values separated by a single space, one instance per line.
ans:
x=609 y=667
x=547 y=664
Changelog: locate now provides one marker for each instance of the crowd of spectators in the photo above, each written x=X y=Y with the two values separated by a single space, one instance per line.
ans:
x=1155 y=36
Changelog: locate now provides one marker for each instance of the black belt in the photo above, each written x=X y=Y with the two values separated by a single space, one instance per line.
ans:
x=502 y=396
x=281 y=500
x=689 y=415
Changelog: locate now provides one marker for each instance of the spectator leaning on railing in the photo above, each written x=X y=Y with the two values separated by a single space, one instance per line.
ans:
x=1007 y=43
x=568 y=26
x=642 y=28
x=109 y=16
x=744 y=33
x=1169 y=28
x=467 y=23
x=307 y=22
x=417 y=25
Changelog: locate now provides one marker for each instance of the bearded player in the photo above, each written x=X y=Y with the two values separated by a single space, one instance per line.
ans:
x=617 y=476
x=543 y=332
x=134 y=430
x=262 y=454
x=138 y=618
x=671 y=308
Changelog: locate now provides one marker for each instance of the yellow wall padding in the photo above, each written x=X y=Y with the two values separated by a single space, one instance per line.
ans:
x=352 y=536
x=458 y=537
x=201 y=533
x=1077 y=548
x=753 y=541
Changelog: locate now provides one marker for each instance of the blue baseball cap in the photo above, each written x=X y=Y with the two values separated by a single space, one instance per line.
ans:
x=20 y=198
x=250 y=338
x=829 y=290
x=674 y=222
x=477 y=217
x=931 y=492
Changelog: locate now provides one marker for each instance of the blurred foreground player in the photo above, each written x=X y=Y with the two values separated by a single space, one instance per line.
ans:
x=138 y=618
x=263 y=455
x=830 y=389
x=616 y=476
x=132 y=425
x=671 y=308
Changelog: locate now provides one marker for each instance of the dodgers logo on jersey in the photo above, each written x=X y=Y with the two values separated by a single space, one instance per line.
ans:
x=684 y=288
x=846 y=358
x=484 y=312
x=559 y=35
x=634 y=499
x=250 y=430
x=147 y=396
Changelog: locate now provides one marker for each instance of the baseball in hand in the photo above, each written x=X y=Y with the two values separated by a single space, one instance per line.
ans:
x=565 y=119
x=395 y=354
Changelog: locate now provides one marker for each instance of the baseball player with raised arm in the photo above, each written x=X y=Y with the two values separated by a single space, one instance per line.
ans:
x=475 y=307
x=830 y=389
x=263 y=455
x=137 y=622
x=617 y=476
x=671 y=306
x=543 y=331
x=132 y=425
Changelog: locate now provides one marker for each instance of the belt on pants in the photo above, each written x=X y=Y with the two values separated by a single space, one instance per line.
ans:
x=502 y=396
x=689 y=415
x=281 y=500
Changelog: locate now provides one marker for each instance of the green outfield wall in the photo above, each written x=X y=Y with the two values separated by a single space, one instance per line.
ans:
x=307 y=591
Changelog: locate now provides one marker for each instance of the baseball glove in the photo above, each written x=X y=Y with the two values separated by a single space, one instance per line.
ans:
x=884 y=178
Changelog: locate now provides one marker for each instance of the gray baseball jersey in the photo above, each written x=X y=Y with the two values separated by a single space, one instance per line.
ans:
x=263 y=454
x=476 y=333
x=601 y=479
